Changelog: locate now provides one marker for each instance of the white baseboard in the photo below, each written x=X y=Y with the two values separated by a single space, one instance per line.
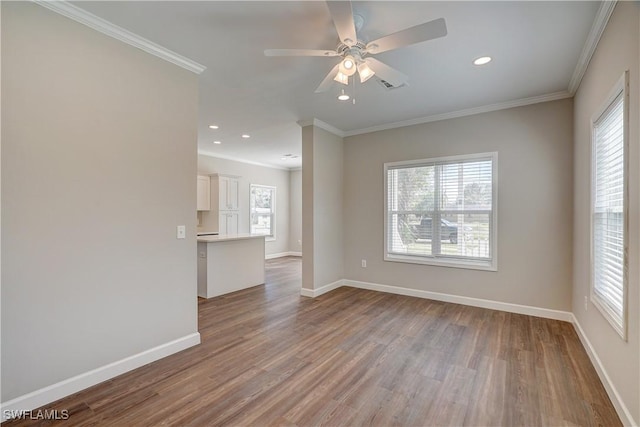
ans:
x=621 y=408
x=456 y=299
x=85 y=380
x=474 y=302
x=312 y=293
x=282 y=254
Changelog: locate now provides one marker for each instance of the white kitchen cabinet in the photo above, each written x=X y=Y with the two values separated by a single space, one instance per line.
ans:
x=228 y=193
x=228 y=222
x=204 y=193
x=225 y=205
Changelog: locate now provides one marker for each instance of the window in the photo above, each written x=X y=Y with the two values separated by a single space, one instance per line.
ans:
x=609 y=209
x=263 y=211
x=442 y=211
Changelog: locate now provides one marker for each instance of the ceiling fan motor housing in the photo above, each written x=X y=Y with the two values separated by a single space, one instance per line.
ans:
x=358 y=50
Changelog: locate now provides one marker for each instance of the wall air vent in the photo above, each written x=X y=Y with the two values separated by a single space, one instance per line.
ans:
x=385 y=84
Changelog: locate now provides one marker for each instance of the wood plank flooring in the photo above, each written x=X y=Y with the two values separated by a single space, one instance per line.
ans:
x=354 y=357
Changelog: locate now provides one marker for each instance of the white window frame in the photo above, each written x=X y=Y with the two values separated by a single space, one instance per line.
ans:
x=268 y=237
x=448 y=261
x=621 y=86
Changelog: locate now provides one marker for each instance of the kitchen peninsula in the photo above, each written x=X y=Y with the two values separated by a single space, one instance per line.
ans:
x=228 y=263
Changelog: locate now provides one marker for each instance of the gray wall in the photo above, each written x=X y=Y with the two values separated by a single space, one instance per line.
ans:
x=617 y=51
x=322 y=208
x=534 y=146
x=295 y=211
x=252 y=174
x=98 y=166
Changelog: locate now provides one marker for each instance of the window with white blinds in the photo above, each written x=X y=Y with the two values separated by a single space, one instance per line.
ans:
x=442 y=211
x=609 y=211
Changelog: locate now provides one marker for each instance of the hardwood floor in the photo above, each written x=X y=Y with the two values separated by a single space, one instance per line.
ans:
x=354 y=357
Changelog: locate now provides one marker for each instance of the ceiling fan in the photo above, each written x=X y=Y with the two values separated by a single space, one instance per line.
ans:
x=355 y=52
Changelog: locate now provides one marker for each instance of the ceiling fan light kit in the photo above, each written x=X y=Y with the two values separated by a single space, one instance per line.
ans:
x=347 y=67
x=354 y=52
x=365 y=72
x=349 y=64
x=341 y=78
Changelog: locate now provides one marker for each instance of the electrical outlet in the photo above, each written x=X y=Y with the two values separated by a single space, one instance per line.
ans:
x=364 y=263
x=586 y=303
x=181 y=232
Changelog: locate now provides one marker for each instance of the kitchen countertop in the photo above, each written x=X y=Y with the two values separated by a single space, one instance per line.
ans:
x=228 y=237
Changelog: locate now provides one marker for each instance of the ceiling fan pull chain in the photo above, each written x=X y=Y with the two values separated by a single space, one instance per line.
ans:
x=354 y=91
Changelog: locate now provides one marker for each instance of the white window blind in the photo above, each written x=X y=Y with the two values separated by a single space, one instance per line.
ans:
x=442 y=211
x=609 y=212
x=263 y=210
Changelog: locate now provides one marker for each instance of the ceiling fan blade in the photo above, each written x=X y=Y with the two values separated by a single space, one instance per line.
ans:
x=299 y=52
x=420 y=33
x=328 y=80
x=342 y=15
x=387 y=73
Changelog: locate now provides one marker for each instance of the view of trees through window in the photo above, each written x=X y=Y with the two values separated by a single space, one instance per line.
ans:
x=262 y=206
x=441 y=209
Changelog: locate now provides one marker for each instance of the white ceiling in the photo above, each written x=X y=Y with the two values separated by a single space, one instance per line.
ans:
x=536 y=46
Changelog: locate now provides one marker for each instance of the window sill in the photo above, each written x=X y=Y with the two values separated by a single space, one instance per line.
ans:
x=610 y=316
x=443 y=262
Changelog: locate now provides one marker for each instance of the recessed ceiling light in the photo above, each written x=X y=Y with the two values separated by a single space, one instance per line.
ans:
x=245 y=136
x=482 y=60
x=214 y=126
x=217 y=142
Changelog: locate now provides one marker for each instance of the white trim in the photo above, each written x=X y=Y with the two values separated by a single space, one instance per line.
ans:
x=282 y=254
x=306 y=292
x=312 y=293
x=322 y=125
x=597 y=29
x=85 y=380
x=467 y=264
x=103 y=26
x=457 y=299
x=462 y=113
x=618 y=403
x=621 y=86
x=420 y=120
x=528 y=310
x=239 y=160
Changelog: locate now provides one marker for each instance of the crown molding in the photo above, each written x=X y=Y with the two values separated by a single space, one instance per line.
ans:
x=322 y=125
x=467 y=112
x=105 y=27
x=248 y=162
x=597 y=29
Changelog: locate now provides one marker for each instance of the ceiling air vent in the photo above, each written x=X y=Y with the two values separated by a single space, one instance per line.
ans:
x=388 y=85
